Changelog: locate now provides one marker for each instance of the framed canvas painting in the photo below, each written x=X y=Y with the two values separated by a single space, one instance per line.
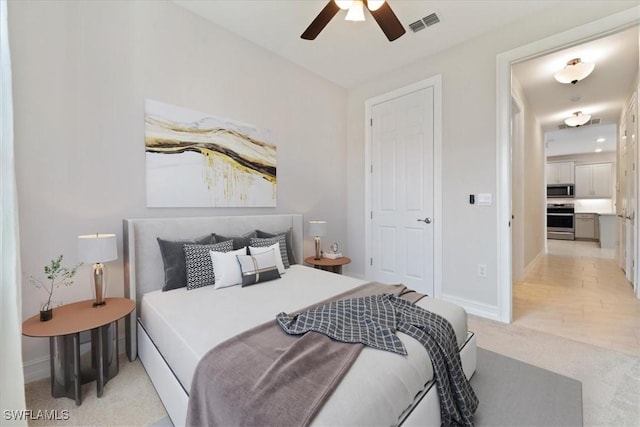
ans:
x=195 y=159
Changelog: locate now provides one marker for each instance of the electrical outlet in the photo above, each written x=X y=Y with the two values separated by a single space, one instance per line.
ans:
x=482 y=270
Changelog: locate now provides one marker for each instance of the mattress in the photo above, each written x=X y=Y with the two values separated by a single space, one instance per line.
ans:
x=184 y=325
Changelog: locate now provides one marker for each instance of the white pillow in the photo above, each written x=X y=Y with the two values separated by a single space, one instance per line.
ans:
x=226 y=268
x=253 y=250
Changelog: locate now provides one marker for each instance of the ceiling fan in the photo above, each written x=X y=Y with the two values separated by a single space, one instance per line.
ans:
x=380 y=9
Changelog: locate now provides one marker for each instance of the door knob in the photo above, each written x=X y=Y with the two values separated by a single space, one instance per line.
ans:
x=426 y=220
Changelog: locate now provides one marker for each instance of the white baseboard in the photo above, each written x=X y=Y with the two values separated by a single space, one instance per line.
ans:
x=473 y=307
x=37 y=369
x=532 y=264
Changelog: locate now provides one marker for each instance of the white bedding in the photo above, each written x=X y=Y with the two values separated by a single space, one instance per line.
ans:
x=184 y=325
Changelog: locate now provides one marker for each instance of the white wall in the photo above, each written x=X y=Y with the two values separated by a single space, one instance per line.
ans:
x=82 y=70
x=469 y=145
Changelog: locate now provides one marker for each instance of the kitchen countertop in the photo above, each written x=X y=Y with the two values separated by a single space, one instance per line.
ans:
x=596 y=213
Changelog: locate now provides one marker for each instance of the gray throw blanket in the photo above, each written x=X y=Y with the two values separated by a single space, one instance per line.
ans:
x=265 y=377
x=373 y=321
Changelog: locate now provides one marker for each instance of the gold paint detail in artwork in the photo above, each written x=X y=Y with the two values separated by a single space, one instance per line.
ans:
x=232 y=159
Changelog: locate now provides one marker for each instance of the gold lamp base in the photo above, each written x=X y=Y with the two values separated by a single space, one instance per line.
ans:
x=318 y=250
x=99 y=284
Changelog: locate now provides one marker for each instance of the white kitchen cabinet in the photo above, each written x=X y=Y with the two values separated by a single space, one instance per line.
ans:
x=586 y=226
x=593 y=181
x=607 y=231
x=560 y=173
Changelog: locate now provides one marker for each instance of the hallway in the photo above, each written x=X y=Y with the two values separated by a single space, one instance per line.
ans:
x=577 y=291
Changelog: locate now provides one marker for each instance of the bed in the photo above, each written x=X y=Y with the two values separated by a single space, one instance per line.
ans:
x=171 y=331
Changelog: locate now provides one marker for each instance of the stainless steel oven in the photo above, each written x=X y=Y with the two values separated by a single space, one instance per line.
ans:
x=560 y=221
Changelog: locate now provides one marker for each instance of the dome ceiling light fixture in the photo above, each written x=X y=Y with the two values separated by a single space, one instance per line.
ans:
x=577 y=119
x=574 y=71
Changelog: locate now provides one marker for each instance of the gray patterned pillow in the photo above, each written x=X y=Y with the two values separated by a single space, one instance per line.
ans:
x=263 y=243
x=198 y=262
x=175 y=271
x=288 y=235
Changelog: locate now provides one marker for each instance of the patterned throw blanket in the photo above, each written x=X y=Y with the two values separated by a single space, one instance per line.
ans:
x=374 y=320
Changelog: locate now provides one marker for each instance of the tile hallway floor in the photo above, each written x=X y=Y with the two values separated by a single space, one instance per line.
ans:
x=577 y=291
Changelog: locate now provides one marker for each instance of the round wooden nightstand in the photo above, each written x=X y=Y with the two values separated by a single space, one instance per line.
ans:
x=63 y=331
x=328 y=264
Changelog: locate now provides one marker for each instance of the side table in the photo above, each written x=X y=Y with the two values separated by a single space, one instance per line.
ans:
x=63 y=331
x=328 y=264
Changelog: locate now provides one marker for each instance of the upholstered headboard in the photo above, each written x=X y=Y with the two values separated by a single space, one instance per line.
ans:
x=143 y=267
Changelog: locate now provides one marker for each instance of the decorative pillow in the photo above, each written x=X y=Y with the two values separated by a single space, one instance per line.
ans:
x=198 y=262
x=175 y=271
x=258 y=268
x=253 y=250
x=226 y=266
x=239 y=241
x=263 y=243
x=288 y=239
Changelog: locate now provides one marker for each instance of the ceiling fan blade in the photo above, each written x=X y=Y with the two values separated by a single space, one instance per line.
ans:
x=388 y=22
x=321 y=21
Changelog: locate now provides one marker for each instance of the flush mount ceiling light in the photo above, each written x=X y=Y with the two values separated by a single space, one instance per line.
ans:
x=574 y=71
x=577 y=119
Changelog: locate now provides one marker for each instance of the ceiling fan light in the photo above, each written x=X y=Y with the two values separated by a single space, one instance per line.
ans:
x=374 y=5
x=574 y=71
x=344 y=4
x=578 y=119
x=356 y=11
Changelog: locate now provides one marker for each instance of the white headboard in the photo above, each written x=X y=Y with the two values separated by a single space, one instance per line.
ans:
x=143 y=267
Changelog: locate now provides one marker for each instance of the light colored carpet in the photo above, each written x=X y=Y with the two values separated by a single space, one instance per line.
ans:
x=129 y=399
x=610 y=381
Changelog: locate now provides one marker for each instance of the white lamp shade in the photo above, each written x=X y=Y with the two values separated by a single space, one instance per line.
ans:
x=95 y=248
x=356 y=11
x=578 y=119
x=575 y=71
x=344 y=4
x=317 y=228
x=374 y=5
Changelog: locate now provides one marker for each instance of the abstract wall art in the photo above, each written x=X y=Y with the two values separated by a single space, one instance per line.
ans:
x=195 y=159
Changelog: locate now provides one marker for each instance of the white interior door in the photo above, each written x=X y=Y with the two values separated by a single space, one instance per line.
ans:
x=632 y=179
x=621 y=209
x=402 y=191
x=517 y=192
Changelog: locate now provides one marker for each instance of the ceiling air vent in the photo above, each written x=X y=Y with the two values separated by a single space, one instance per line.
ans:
x=417 y=26
x=431 y=20
x=590 y=122
x=425 y=22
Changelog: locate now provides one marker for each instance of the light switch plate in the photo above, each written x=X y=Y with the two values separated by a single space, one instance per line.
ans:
x=484 y=199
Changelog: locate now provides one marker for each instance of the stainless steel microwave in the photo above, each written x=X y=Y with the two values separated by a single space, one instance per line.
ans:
x=560 y=191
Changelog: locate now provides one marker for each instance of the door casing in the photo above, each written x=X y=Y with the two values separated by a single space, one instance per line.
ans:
x=593 y=30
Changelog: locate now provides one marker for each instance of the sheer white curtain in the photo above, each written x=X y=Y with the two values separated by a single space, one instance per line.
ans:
x=11 y=373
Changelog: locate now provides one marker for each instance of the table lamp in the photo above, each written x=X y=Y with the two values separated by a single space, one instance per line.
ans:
x=96 y=249
x=317 y=229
